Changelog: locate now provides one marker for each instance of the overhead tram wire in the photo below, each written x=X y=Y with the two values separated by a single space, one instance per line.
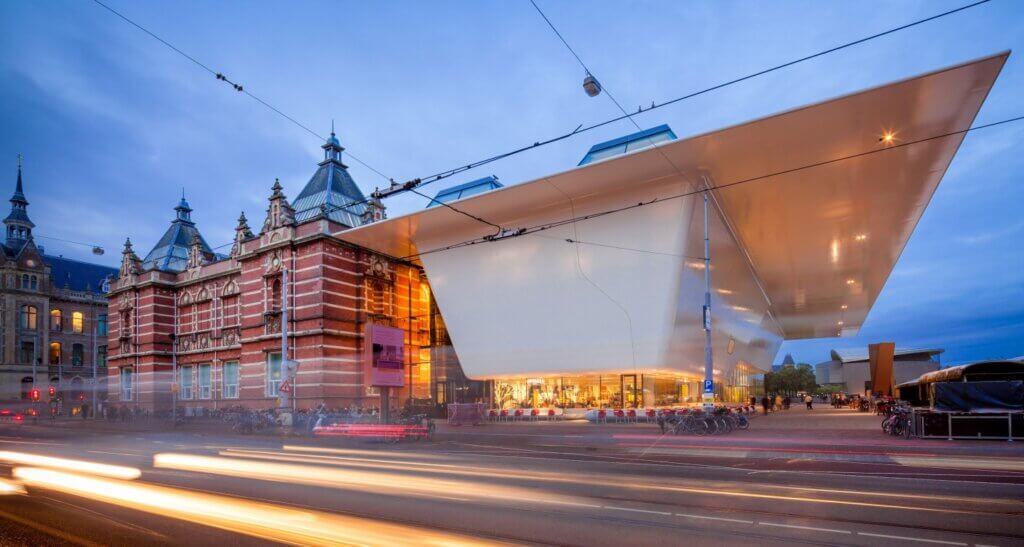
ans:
x=423 y=181
x=724 y=186
x=237 y=87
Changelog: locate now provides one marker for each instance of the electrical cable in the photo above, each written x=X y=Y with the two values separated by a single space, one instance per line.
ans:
x=423 y=181
x=237 y=87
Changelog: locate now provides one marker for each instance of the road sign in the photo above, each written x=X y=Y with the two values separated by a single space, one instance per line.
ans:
x=286 y=387
x=709 y=386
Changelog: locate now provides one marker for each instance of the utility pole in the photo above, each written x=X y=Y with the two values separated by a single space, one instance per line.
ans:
x=95 y=354
x=174 y=372
x=285 y=400
x=709 y=367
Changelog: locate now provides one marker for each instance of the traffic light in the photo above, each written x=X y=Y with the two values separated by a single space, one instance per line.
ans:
x=34 y=394
x=52 y=391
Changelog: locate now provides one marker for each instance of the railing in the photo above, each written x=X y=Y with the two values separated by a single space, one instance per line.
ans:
x=1002 y=426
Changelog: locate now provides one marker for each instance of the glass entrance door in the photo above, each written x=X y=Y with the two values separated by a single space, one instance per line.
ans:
x=628 y=389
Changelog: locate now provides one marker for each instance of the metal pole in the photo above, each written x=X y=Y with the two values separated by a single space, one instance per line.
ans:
x=285 y=402
x=95 y=353
x=174 y=373
x=709 y=369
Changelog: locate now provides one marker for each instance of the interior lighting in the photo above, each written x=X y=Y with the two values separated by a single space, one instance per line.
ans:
x=887 y=138
x=850 y=281
x=860 y=237
x=843 y=307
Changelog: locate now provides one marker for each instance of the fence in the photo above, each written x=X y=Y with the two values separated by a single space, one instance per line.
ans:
x=1004 y=426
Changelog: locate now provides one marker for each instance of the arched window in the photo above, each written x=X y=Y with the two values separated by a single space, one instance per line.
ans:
x=275 y=295
x=29 y=317
x=77 y=355
x=24 y=281
x=35 y=282
x=55 y=353
x=77 y=322
x=56 y=320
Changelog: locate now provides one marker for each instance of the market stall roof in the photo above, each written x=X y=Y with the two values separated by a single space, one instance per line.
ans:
x=980 y=371
x=822 y=199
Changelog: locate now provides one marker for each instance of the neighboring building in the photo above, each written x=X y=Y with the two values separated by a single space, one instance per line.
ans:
x=54 y=316
x=225 y=310
x=787 y=361
x=850 y=371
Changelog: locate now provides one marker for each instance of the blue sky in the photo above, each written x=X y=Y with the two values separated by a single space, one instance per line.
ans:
x=112 y=124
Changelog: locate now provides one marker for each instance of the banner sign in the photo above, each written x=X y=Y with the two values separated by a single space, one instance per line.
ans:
x=384 y=355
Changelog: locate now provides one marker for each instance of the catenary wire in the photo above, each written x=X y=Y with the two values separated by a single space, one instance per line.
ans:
x=93 y=245
x=238 y=87
x=725 y=186
x=422 y=181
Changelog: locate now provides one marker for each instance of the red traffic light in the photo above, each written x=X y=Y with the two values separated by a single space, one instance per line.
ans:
x=34 y=394
x=52 y=390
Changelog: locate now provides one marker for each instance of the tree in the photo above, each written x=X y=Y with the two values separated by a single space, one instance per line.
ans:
x=791 y=379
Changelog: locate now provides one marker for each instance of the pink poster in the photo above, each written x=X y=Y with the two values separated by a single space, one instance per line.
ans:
x=384 y=355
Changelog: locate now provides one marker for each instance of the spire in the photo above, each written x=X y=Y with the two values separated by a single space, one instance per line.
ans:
x=333 y=149
x=184 y=212
x=19 y=227
x=129 y=260
x=196 y=255
x=242 y=233
x=279 y=212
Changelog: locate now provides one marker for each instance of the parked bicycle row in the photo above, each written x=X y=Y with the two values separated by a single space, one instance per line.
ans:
x=719 y=421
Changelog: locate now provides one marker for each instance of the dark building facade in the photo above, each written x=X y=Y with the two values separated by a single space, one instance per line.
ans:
x=53 y=316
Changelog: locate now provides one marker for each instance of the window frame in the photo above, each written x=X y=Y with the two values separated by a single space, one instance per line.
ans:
x=230 y=390
x=80 y=349
x=77 y=322
x=205 y=390
x=60 y=353
x=272 y=386
x=58 y=315
x=102 y=328
x=29 y=317
x=186 y=391
x=127 y=390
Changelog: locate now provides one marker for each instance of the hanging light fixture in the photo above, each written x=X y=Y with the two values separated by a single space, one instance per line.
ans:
x=591 y=85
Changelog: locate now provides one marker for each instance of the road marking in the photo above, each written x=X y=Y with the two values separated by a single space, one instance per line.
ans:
x=114 y=453
x=714 y=518
x=812 y=528
x=906 y=538
x=573 y=503
x=636 y=510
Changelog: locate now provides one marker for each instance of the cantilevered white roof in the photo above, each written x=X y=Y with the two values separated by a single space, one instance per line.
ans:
x=821 y=241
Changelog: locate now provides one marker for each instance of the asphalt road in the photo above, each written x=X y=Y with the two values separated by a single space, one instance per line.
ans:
x=207 y=489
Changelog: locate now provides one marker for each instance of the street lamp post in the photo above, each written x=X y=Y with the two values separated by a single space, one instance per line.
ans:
x=709 y=368
x=174 y=378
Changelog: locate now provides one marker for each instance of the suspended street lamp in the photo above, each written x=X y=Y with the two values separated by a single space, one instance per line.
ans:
x=591 y=85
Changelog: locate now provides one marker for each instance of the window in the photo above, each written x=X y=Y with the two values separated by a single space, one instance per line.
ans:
x=55 y=351
x=275 y=295
x=231 y=380
x=126 y=383
x=101 y=356
x=35 y=283
x=273 y=374
x=77 y=354
x=77 y=322
x=101 y=324
x=29 y=316
x=26 y=387
x=24 y=281
x=186 y=383
x=28 y=352
x=204 y=381
x=56 y=320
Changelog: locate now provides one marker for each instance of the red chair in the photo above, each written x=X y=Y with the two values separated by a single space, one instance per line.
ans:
x=504 y=415
x=631 y=416
x=602 y=416
x=493 y=415
x=551 y=414
x=519 y=414
x=534 y=414
x=652 y=414
x=620 y=416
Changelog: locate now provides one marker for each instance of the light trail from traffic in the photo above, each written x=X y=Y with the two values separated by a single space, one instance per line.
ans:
x=351 y=479
x=77 y=466
x=258 y=519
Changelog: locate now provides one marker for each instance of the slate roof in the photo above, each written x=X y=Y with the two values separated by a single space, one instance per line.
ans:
x=332 y=187
x=171 y=252
x=67 y=273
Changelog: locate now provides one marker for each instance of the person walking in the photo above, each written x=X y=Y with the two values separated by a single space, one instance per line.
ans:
x=810 y=401
x=764 y=404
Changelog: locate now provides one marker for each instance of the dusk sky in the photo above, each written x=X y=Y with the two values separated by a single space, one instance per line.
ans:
x=113 y=124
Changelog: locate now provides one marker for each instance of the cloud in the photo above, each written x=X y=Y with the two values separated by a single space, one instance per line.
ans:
x=985 y=237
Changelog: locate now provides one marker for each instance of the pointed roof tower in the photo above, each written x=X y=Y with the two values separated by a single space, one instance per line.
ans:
x=172 y=251
x=19 y=227
x=332 y=188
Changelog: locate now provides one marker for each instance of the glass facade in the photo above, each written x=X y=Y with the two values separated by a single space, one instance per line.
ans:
x=629 y=390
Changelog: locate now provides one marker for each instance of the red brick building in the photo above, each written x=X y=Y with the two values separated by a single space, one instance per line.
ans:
x=225 y=310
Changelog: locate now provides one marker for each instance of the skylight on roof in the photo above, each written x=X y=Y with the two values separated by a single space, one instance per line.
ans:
x=629 y=143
